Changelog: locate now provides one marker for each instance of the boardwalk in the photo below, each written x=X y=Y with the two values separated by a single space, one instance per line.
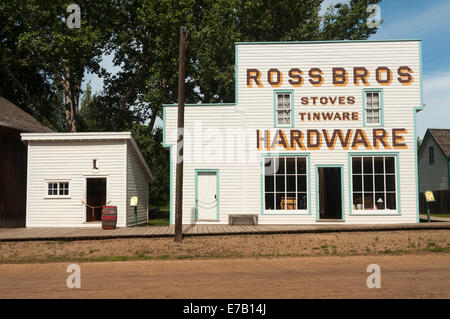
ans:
x=68 y=234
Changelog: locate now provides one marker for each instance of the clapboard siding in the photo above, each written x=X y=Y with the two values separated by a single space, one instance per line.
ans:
x=137 y=185
x=209 y=128
x=72 y=162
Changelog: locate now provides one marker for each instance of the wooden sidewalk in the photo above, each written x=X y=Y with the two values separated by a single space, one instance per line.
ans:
x=70 y=234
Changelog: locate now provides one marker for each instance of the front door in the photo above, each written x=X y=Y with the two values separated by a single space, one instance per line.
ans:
x=207 y=199
x=330 y=193
x=95 y=198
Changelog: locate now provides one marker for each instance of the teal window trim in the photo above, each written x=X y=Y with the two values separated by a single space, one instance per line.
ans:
x=316 y=176
x=396 y=212
x=308 y=183
x=196 y=190
x=275 y=118
x=380 y=91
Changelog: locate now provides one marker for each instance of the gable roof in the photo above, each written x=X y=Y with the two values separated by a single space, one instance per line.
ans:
x=91 y=136
x=14 y=117
x=442 y=138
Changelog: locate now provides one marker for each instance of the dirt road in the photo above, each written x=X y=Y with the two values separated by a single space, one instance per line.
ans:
x=409 y=276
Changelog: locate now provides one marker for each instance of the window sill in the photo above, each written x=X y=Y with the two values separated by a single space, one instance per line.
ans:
x=57 y=197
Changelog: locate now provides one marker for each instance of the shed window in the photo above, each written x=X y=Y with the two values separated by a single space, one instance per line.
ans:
x=283 y=109
x=431 y=155
x=373 y=108
x=57 y=189
x=285 y=183
x=374 y=183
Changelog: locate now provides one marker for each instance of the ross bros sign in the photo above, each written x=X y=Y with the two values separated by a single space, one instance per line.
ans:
x=340 y=76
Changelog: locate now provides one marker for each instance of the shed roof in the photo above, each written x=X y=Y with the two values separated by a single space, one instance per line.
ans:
x=14 y=117
x=90 y=136
x=442 y=138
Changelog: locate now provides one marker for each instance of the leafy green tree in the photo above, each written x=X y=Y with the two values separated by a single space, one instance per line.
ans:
x=61 y=54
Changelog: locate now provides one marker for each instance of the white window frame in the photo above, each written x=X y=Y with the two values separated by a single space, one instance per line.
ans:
x=396 y=192
x=278 y=109
x=370 y=107
x=58 y=188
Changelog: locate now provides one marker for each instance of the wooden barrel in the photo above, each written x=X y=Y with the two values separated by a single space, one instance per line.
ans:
x=109 y=217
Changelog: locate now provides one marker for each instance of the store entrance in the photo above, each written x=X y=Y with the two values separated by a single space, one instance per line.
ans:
x=330 y=193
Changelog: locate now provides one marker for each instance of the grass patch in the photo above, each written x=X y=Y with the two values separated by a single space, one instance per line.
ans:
x=161 y=218
x=441 y=215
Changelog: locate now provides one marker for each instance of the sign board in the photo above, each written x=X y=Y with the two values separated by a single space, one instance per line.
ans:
x=429 y=196
x=133 y=201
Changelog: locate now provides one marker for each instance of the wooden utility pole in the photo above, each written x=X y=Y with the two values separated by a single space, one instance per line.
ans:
x=180 y=138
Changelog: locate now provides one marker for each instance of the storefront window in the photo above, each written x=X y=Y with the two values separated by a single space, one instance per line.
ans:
x=374 y=185
x=285 y=185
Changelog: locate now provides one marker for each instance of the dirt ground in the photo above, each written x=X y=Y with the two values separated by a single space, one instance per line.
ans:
x=408 y=276
x=331 y=244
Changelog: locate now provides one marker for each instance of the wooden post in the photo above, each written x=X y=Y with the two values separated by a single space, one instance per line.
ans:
x=180 y=138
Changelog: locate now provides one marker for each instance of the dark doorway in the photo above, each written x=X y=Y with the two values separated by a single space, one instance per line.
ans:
x=330 y=193
x=95 y=198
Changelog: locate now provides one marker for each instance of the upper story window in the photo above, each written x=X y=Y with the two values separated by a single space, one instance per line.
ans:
x=283 y=109
x=55 y=189
x=431 y=155
x=373 y=107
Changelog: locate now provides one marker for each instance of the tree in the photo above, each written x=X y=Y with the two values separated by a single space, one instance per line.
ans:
x=61 y=54
x=147 y=47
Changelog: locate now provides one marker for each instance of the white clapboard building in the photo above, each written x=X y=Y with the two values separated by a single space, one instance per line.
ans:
x=319 y=132
x=70 y=176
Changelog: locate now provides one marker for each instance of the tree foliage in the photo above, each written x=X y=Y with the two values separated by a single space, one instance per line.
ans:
x=43 y=62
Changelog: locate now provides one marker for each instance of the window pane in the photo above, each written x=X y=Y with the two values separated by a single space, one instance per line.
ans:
x=301 y=183
x=368 y=182
x=357 y=183
x=390 y=164
x=270 y=200
x=290 y=165
x=269 y=166
x=357 y=201
x=378 y=162
x=280 y=184
x=279 y=197
x=268 y=185
x=379 y=201
x=301 y=165
x=390 y=201
x=390 y=182
x=290 y=182
x=367 y=164
x=302 y=201
x=368 y=201
x=379 y=182
x=291 y=201
x=356 y=165
x=281 y=166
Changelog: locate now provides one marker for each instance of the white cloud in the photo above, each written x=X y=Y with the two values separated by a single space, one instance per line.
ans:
x=436 y=97
x=435 y=18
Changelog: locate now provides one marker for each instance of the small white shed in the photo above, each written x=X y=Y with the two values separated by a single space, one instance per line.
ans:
x=71 y=175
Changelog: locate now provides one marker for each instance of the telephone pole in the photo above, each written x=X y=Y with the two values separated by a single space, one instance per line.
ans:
x=180 y=138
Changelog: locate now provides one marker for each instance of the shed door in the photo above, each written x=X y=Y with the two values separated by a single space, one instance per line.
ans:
x=207 y=200
x=95 y=198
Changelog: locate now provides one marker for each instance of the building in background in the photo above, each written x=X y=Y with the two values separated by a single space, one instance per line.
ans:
x=320 y=132
x=434 y=169
x=13 y=162
x=72 y=175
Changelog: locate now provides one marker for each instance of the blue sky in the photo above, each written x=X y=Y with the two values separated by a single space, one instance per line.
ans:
x=404 y=19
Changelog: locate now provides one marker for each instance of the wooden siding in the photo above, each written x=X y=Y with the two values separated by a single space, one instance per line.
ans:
x=13 y=173
x=240 y=182
x=432 y=177
x=137 y=185
x=72 y=161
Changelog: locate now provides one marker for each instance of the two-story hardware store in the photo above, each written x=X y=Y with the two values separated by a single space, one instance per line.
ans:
x=319 y=132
